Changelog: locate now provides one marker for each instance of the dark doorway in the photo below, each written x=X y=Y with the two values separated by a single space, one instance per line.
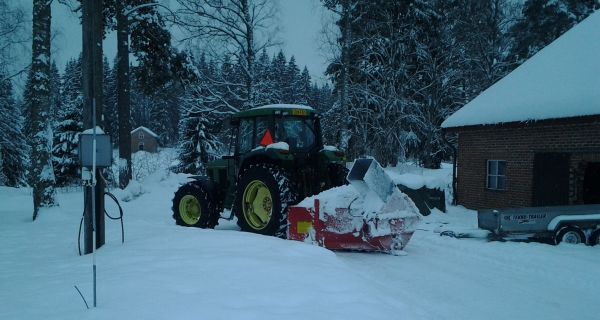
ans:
x=551 y=179
x=591 y=184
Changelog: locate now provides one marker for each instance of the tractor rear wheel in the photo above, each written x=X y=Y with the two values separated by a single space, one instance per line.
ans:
x=262 y=197
x=192 y=206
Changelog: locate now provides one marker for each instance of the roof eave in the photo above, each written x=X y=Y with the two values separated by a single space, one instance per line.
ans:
x=587 y=118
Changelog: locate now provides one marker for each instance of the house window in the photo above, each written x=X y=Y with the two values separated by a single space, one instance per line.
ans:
x=496 y=174
x=141 y=146
x=141 y=136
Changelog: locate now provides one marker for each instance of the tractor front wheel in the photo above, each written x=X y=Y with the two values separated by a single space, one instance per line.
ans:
x=262 y=198
x=192 y=206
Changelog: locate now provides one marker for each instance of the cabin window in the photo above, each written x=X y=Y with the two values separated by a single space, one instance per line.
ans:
x=263 y=136
x=496 y=174
x=245 y=135
x=141 y=135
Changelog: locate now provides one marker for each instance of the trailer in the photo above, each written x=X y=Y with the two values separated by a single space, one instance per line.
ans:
x=570 y=224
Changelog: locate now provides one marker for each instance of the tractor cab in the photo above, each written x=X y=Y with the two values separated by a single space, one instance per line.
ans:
x=288 y=136
x=292 y=127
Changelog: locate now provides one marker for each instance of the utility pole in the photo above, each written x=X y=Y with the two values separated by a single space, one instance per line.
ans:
x=92 y=69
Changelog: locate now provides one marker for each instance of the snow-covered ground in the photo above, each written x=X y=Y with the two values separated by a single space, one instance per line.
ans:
x=168 y=272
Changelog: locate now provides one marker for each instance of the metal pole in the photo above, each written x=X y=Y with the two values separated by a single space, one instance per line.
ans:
x=94 y=194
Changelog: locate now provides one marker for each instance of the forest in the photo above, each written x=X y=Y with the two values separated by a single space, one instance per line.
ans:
x=396 y=70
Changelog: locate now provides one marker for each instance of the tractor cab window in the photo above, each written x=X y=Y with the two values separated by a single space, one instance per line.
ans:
x=246 y=130
x=263 y=136
x=298 y=133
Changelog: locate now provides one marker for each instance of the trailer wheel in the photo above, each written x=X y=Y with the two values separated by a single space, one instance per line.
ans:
x=570 y=235
x=192 y=206
x=595 y=238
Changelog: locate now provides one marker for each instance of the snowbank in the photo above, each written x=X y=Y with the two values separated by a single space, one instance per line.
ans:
x=168 y=272
x=415 y=177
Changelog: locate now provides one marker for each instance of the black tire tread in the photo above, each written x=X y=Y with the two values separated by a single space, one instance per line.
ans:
x=594 y=238
x=285 y=192
x=207 y=218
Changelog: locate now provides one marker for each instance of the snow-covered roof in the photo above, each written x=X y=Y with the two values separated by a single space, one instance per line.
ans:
x=91 y=131
x=560 y=81
x=284 y=106
x=145 y=129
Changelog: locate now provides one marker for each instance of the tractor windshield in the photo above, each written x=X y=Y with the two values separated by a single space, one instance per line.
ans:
x=299 y=133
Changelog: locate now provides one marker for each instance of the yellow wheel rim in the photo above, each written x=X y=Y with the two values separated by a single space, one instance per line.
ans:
x=257 y=204
x=189 y=209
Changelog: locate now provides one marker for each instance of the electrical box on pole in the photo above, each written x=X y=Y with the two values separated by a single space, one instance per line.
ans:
x=103 y=150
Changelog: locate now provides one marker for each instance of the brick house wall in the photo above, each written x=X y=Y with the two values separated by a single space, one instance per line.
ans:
x=145 y=139
x=517 y=144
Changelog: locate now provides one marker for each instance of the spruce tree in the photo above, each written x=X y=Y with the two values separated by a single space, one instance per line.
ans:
x=304 y=88
x=55 y=94
x=292 y=74
x=13 y=147
x=198 y=144
x=111 y=121
x=278 y=72
x=264 y=80
x=545 y=20
x=68 y=126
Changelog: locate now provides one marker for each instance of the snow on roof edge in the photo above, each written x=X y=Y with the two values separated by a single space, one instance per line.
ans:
x=145 y=129
x=560 y=81
x=523 y=122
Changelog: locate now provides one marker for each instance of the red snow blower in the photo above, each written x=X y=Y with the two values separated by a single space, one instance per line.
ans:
x=371 y=214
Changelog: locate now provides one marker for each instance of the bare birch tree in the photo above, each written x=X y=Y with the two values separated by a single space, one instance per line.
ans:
x=12 y=36
x=234 y=30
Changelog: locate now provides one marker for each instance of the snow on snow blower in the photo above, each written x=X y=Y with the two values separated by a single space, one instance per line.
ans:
x=278 y=159
x=369 y=215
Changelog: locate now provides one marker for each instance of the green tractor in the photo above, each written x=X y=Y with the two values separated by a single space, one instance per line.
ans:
x=278 y=159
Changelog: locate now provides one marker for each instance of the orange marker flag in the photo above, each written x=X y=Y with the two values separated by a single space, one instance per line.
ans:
x=267 y=139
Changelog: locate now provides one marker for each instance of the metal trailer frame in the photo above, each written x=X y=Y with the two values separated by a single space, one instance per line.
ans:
x=543 y=222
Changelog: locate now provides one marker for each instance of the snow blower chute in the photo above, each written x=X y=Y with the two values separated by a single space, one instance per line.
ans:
x=370 y=214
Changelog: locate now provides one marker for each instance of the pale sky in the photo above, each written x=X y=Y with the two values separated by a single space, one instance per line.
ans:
x=300 y=31
x=300 y=27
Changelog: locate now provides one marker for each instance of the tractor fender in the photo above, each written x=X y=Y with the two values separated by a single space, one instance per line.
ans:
x=262 y=158
x=206 y=184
